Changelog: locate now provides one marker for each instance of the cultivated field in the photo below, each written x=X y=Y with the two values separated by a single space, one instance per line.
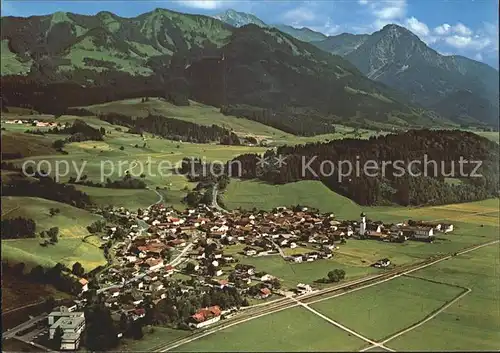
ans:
x=290 y=330
x=473 y=323
x=382 y=310
x=208 y=115
x=70 y=248
x=72 y=221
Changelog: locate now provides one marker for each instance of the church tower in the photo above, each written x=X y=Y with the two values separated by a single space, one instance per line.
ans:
x=362 y=225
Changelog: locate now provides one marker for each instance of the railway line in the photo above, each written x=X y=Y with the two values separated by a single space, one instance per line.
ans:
x=313 y=297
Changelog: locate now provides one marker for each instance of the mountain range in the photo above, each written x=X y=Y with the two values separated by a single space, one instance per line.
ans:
x=397 y=57
x=235 y=60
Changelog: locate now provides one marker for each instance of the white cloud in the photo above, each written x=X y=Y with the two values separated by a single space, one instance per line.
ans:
x=467 y=42
x=202 y=4
x=458 y=29
x=417 y=27
x=461 y=29
x=458 y=41
x=478 y=57
x=443 y=29
x=363 y=2
x=329 y=28
x=389 y=10
x=299 y=15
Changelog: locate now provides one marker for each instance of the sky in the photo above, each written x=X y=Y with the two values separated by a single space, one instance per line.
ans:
x=464 y=27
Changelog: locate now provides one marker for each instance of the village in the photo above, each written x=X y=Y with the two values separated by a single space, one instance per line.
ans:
x=204 y=248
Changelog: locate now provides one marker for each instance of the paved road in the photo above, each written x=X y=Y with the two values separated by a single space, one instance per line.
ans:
x=215 y=205
x=280 y=250
x=159 y=195
x=12 y=332
x=270 y=309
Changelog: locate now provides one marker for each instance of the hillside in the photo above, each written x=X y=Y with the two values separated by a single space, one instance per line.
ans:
x=397 y=57
x=72 y=221
x=304 y=89
x=342 y=44
x=239 y=19
x=417 y=183
x=61 y=44
x=304 y=34
x=266 y=76
x=19 y=145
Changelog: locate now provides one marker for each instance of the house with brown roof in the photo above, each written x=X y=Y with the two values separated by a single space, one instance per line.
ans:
x=205 y=317
x=264 y=293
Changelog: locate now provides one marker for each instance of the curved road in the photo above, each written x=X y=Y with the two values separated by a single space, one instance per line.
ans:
x=215 y=205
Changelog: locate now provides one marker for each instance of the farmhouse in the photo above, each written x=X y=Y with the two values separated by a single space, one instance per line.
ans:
x=303 y=288
x=264 y=293
x=206 y=316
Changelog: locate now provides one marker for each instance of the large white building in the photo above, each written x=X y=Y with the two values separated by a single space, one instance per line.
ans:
x=72 y=324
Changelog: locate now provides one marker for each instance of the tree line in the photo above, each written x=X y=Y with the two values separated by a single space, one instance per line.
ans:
x=18 y=228
x=127 y=182
x=172 y=129
x=47 y=188
x=445 y=147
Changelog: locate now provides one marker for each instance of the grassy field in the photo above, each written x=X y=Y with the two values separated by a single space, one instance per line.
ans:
x=290 y=330
x=196 y=113
x=247 y=194
x=382 y=310
x=72 y=221
x=159 y=335
x=208 y=115
x=66 y=251
x=472 y=323
x=118 y=153
x=291 y=274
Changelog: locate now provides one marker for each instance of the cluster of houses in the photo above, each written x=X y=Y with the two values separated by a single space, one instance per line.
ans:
x=208 y=246
x=32 y=122
x=400 y=232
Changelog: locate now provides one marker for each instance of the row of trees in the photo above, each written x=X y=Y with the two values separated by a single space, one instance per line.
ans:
x=127 y=182
x=17 y=228
x=173 y=129
x=47 y=188
x=59 y=276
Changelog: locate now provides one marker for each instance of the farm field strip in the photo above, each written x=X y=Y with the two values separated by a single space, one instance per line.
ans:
x=428 y=318
x=287 y=305
x=335 y=323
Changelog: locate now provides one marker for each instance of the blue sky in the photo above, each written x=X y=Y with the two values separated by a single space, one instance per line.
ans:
x=465 y=27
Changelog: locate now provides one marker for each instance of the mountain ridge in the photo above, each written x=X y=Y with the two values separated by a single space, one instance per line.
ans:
x=154 y=48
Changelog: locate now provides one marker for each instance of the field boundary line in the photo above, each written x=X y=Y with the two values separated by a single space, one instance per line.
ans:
x=217 y=329
x=169 y=346
x=436 y=282
x=429 y=317
x=344 y=328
